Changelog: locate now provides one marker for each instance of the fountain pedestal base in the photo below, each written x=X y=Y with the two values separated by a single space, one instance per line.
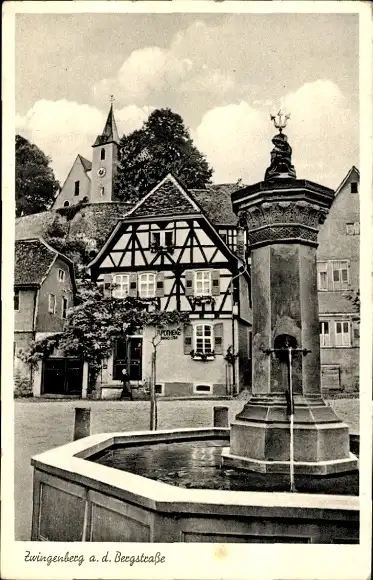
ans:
x=260 y=438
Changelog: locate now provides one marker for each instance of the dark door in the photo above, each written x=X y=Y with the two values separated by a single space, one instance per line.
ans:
x=62 y=376
x=135 y=359
x=53 y=377
x=128 y=355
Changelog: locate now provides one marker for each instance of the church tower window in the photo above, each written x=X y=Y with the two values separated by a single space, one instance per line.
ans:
x=76 y=188
x=102 y=154
x=66 y=204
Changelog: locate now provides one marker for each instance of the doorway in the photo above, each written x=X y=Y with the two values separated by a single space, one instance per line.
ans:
x=128 y=355
x=62 y=376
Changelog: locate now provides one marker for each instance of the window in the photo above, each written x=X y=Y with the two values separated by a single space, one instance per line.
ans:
x=159 y=389
x=61 y=275
x=66 y=204
x=52 y=303
x=223 y=236
x=340 y=275
x=102 y=154
x=203 y=388
x=64 y=308
x=169 y=238
x=354 y=187
x=156 y=238
x=121 y=285
x=162 y=238
x=353 y=229
x=202 y=283
x=322 y=275
x=342 y=333
x=147 y=285
x=76 y=188
x=324 y=333
x=16 y=299
x=203 y=338
x=102 y=191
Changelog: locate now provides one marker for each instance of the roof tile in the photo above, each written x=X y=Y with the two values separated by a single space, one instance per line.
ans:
x=32 y=262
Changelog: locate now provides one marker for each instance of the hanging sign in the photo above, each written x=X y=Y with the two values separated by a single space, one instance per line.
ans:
x=170 y=333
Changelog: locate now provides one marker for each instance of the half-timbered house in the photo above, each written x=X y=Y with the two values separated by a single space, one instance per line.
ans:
x=168 y=250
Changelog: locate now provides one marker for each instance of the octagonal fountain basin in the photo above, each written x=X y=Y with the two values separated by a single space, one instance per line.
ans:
x=167 y=486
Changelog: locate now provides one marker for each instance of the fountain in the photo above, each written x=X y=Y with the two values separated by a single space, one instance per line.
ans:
x=282 y=215
x=213 y=484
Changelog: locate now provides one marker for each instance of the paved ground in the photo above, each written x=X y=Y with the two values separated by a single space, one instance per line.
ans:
x=39 y=426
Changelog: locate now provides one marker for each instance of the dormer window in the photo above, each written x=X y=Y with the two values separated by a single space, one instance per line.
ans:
x=102 y=155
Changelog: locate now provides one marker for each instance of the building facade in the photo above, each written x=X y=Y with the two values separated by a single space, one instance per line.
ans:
x=338 y=282
x=167 y=251
x=44 y=290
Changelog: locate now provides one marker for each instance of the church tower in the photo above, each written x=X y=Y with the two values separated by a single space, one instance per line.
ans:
x=104 y=161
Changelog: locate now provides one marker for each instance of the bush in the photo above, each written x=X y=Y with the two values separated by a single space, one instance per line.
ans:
x=22 y=386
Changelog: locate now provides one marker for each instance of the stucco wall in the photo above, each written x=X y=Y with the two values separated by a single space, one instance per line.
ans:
x=67 y=192
x=23 y=318
x=46 y=321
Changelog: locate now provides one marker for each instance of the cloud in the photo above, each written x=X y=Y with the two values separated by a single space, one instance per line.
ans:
x=322 y=132
x=145 y=70
x=178 y=70
x=62 y=129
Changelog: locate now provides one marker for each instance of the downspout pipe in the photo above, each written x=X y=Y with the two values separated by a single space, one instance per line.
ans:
x=244 y=265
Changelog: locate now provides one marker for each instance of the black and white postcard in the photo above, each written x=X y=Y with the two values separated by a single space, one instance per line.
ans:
x=187 y=290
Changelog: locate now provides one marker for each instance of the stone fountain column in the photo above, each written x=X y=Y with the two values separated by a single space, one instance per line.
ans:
x=282 y=215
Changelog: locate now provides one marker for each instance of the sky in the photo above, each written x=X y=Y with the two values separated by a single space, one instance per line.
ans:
x=223 y=73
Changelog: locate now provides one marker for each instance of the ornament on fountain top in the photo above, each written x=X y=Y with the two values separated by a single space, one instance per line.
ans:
x=281 y=166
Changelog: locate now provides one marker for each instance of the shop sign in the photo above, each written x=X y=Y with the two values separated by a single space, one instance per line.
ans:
x=170 y=333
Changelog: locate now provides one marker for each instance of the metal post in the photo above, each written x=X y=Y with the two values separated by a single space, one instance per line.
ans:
x=152 y=396
x=292 y=484
x=82 y=422
x=155 y=394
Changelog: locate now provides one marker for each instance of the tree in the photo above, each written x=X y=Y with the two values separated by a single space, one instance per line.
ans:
x=161 y=146
x=36 y=185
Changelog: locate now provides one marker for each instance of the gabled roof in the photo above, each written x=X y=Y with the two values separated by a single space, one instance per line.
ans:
x=168 y=198
x=346 y=178
x=216 y=203
x=110 y=132
x=33 y=260
x=86 y=164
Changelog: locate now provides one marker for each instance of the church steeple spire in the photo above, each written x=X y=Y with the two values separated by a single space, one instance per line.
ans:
x=110 y=132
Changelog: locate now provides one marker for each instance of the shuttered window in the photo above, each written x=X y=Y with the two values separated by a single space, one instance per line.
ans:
x=147 y=285
x=340 y=275
x=342 y=333
x=202 y=283
x=324 y=333
x=121 y=285
x=203 y=338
